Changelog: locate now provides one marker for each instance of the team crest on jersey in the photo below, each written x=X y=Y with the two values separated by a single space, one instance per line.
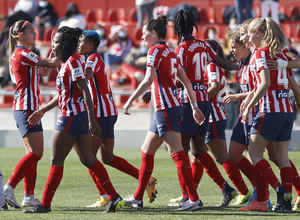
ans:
x=246 y=76
x=252 y=68
x=32 y=55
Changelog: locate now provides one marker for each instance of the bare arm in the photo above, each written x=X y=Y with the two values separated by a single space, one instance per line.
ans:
x=35 y=117
x=224 y=63
x=234 y=97
x=88 y=73
x=213 y=89
x=144 y=85
x=260 y=92
x=93 y=125
x=198 y=115
x=49 y=62
x=296 y=90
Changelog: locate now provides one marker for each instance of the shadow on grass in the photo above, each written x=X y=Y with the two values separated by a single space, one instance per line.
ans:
x=165 y=211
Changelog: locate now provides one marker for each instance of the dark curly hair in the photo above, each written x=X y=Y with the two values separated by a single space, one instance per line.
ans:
x=159 y=25
x=69 y=41
x=183 y=24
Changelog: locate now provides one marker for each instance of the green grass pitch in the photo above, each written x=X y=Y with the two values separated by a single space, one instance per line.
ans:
x=77 y=190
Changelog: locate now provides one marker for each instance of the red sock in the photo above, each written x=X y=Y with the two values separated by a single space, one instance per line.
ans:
x=122 y=165
x=286 y=174
x=22 y=168
x=265 y=170
x=197 y=172
x=145 y=174
x=102 y=178
x=53 y=181
x=246 y=167
x=98 y=186
x=29 y=181
x=212 y=170
x=296 y=178
x=182 y=186
x=235 y=176
x=261 y=186
x=184 y=170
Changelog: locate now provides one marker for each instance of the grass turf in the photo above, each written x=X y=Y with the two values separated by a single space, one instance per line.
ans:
x=77 y=190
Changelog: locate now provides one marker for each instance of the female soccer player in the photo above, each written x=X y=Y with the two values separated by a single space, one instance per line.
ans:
x=106 y=113
x=26 y=74
x=194 y=54
x=163 y=68
x=75 y=123
x=215 y=81
x=274 y=120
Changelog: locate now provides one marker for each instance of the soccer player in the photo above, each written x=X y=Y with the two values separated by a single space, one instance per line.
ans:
x=163 y=68
x=25 y=73
x=106 y=114
x=194 y=54
x=274 y=120
x=215 y=81
x=75 y=123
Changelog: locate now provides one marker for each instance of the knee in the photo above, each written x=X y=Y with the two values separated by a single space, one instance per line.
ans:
x=56 y=161
x=272 y=158
x=220 y=160
x=107 y=161
x=107 y=158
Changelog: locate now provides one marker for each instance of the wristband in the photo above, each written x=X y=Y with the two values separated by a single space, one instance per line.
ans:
x=194 y=105
x=282 y=64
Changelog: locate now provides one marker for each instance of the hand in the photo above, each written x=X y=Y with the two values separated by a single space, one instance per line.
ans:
x=272 y=64
x=198 y=116
x=95 y=129
x=35 y=117
x=245 y=114
x=229 y=99
x=126 y=107
x=147 y=97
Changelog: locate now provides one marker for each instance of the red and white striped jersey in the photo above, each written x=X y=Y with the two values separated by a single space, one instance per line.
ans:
x=247 y=79
x=214 y=73
x=277 y=98
x=70 y=100
x=23 y=64
x=99 y=87
x=194 y=54
x=164 y=93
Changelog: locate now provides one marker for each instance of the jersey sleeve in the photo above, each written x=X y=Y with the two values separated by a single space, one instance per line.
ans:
x=180 y=51
x=91 y=63
x=76 y=69
x=30 y=58
x=213 y=73
x=152 y=58
x=261 y=60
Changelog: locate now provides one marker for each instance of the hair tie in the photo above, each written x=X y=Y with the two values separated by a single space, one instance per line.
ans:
x=23 y=25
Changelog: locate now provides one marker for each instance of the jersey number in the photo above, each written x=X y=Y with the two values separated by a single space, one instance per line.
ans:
x=200 y=65
x=173 y=70
x=282 y=78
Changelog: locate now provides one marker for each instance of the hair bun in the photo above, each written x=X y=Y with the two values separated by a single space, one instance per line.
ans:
x=163 y=19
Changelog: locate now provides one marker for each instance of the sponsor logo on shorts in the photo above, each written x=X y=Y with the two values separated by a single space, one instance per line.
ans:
x=60 y=122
